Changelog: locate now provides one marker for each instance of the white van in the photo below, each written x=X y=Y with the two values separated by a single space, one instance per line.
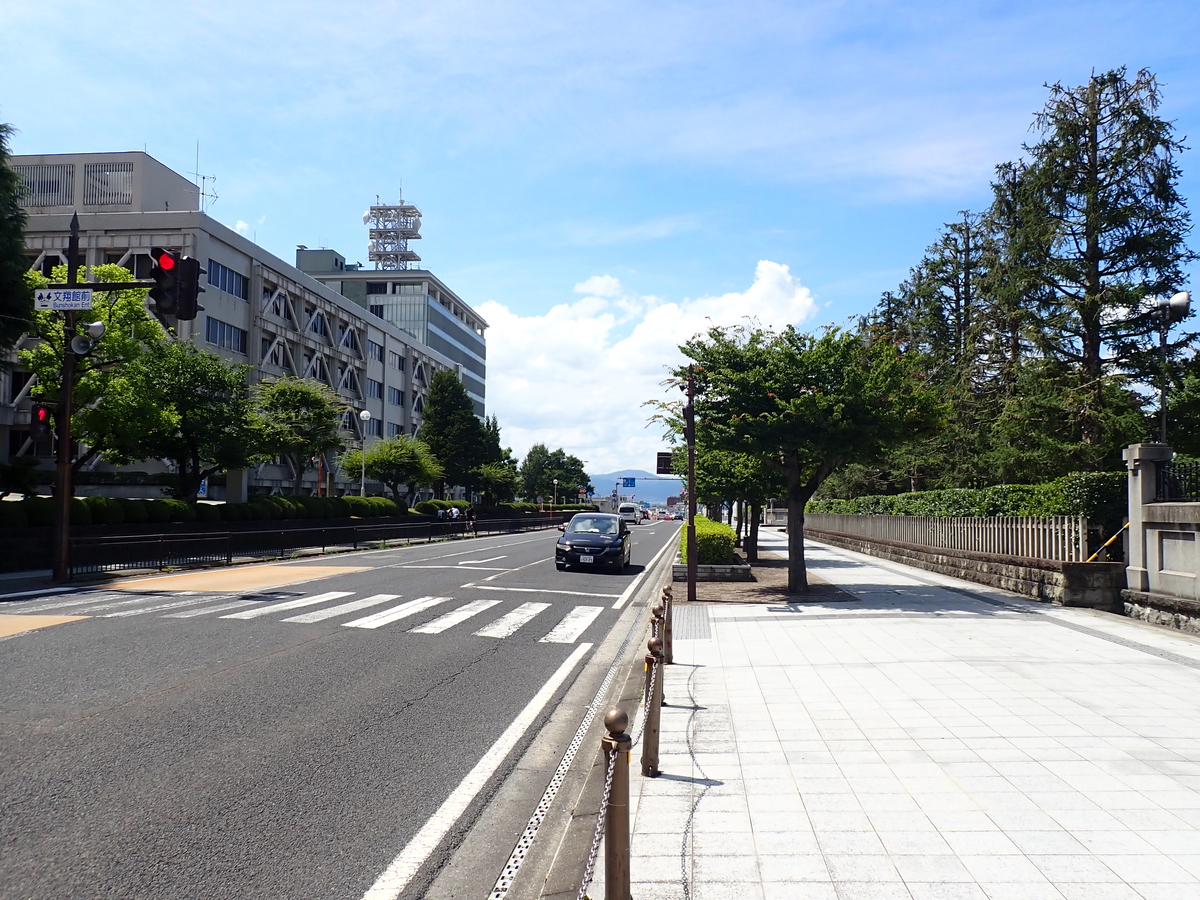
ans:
x=630 y=512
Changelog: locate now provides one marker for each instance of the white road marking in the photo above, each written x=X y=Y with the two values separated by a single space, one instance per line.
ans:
x=490 y=587
x=36 y=607
x=509 y=623
x=480 y=562
x=650 y=565
x=220 y=607
x=265 y=609
x=459 y=566
x=395 y=879
x=113 y=604
x=403 y=611
x=353 y=606
x=450 y=619
x=573 y=625
x=158 y=607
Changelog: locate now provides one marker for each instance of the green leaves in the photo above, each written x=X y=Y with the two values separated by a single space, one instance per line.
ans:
x=451 y=429
x=395 y=461
x=301 y=419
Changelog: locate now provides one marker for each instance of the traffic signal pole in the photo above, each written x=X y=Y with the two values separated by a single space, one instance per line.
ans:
x=689 y=431
x=63 y=487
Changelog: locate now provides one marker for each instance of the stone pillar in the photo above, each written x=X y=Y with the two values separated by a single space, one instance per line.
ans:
x=236 y=483
x=1142 y=461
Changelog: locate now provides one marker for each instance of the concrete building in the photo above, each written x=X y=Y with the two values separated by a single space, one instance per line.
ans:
x=376 y=346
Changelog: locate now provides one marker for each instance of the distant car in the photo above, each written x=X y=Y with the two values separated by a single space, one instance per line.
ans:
x=594 y=539
x=630 y=512
x=645 y=515
x=678 y=517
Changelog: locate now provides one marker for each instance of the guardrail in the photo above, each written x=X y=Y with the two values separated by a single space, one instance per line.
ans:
x=1178 y=483
x=1055 y=538
x=94 y=555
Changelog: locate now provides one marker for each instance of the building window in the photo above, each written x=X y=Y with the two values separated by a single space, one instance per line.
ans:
x=374 y=389
x=317 y=324
x=227 y=280
x=377 y=287
x=395 y=396
x=349 y=339
x=394 y=429
x=107 y=184
x=48 y=185
x=375 y=351
x=377 y=309
x=395 y=360
x=225 y=336
x=374 y=427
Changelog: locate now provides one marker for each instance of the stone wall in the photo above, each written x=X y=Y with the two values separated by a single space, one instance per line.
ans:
x=1095 y=585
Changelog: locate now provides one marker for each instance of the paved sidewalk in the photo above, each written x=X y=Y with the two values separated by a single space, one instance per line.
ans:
x=921 y=742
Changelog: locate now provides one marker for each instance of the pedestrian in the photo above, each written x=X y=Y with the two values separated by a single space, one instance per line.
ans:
x=471 y=524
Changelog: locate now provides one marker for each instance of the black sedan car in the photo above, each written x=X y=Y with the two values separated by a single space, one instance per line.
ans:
x=594 y=539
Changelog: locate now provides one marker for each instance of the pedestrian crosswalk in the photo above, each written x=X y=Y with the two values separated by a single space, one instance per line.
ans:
x=430 y=615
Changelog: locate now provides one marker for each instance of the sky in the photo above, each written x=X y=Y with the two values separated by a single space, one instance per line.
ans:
x=599 y=180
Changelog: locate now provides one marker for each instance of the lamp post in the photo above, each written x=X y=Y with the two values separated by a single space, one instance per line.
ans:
x=1170 y=310
x=555 y=503
x=364 y=417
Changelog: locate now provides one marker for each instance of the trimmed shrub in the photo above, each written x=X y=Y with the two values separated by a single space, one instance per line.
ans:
x=207 y=512
x=178 y=510
x=426 y=508
x=136 y=512
x=38 y=510
x=714 y=543
x=12 y=515
x=81 y=513
x=158 y=510
x=105 y=511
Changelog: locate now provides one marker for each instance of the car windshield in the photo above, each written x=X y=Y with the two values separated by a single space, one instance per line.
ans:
x=593 y=525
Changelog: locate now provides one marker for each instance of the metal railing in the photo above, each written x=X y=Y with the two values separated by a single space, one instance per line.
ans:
x=1055 y=538
x=94 y=555
x=1178 y=483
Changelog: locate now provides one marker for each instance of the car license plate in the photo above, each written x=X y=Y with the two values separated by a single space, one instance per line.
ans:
x=585 y=559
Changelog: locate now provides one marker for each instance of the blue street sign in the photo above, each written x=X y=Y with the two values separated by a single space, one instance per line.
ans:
x=628 y=482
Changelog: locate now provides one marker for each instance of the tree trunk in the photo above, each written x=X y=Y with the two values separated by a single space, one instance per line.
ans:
x=752 y=533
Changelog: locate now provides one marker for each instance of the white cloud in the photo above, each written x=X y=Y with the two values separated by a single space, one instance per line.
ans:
x=241 y=227
x=576 y=376
x=599 y=286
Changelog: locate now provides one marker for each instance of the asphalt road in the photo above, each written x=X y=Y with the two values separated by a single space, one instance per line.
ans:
x=283 y=731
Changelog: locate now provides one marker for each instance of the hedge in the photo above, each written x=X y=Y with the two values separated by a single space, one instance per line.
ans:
x=1100 y=496
x=714 y=543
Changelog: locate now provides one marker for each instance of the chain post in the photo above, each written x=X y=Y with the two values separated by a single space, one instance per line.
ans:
x=616 y=746
x=652 y=707
x=668 y=603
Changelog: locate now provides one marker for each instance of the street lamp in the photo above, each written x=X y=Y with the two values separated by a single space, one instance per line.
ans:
x=555 y=492
x=364 y=417
x=1170 y=310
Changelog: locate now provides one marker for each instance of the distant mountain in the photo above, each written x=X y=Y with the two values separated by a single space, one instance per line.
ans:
x=654 y=489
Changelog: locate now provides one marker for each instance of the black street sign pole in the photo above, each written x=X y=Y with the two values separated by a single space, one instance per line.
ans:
x=62 y=421
x=689 y=427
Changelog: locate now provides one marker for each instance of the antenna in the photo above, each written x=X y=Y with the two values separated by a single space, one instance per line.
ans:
x=392 y=226
x=208 y=196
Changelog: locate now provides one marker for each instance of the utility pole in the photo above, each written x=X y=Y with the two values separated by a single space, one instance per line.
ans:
x=689 y=433
x=63 y=488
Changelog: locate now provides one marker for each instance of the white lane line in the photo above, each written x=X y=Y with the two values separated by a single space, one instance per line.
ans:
x=113 y=604
x=403 y=611
x=265 y=609
x=220 y=607
x=450 y=619
x=650 y=565
x=459 y=566
x=509 y=623
x=536 y=562
x=475 y=550
x=490 y=587
x=40 y=592
x=480 y=562
x=573 y=625
x=35 y=607
x=158 y=607
x=352 y=606
x=396 y=877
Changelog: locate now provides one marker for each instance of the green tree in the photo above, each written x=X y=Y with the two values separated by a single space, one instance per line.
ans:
x=740 y=479
x=183 y=405
x=812 y=404
x=16 y=295
x=129 y=333
x=452 y=431
x=1102 y=226
x=395 y=461
x=497 y=482
x=542 y=466
x=301 y=420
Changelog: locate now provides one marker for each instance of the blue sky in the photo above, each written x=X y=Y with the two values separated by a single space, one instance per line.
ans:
x=596 y=178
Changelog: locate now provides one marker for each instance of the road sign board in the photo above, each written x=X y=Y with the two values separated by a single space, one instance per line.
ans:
x=664 y=465
x=628 y=482
x=63 y=298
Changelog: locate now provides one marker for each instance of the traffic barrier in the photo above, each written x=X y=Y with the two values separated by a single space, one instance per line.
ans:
x=652 y=707
x=668 y=603
x=613 y=821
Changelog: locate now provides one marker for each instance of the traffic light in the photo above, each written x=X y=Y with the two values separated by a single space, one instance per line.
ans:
x=165 y=274
x=42 y=421
x=189 y=288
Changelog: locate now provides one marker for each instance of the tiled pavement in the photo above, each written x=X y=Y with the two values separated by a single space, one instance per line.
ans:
x=921 y=743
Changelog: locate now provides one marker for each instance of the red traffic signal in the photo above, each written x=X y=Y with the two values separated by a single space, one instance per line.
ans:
x=41 y=420
x=165 y=275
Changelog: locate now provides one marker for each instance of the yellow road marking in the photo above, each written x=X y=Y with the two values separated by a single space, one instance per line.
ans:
x=10 y=625
x=232 y=579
